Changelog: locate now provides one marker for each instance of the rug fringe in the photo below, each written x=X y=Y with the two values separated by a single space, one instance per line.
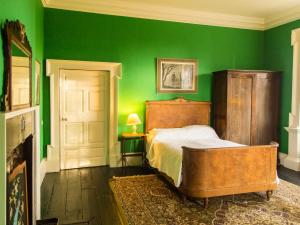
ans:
x=134 y=176
x=120 y=211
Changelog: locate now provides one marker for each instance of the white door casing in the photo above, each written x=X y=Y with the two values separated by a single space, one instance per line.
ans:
x=53 y=70
x=83 y=118
x=292 y=161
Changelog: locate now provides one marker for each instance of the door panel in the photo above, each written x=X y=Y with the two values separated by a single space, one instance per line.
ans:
x=95 y=132
x=239 y=104
x=74 y=101
x=83 y=97
x=73 y=134
x=96 y=101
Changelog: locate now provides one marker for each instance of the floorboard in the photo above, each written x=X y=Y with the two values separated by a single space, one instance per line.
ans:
x=83 y=196
x=289 y=175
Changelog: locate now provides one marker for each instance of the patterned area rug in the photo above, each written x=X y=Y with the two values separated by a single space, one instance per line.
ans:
x=149 y=200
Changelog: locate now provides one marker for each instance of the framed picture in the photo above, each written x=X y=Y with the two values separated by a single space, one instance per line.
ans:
x=17 y=206
x=177 y=75
x=37 y=82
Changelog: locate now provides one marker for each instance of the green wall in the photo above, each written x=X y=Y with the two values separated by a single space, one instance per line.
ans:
x=279 y=56
x=30 y=13
x=136 y=43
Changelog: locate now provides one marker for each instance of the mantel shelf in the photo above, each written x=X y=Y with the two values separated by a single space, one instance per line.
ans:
x=8 y=115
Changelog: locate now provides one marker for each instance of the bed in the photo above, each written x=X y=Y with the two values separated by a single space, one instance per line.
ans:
x=185 y=149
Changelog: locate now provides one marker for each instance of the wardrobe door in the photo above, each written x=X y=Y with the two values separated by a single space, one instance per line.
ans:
x=265 y=109
x=239 y=109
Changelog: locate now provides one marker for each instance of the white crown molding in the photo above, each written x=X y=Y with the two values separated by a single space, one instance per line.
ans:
x=45 y=2
x=146 y=11
x=280 y=19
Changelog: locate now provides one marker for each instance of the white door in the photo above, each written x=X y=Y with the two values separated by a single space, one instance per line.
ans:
x=83 y=118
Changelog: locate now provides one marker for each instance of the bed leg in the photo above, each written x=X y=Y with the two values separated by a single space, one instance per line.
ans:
x=205 y=203
x=183 y=198
x=269 y=194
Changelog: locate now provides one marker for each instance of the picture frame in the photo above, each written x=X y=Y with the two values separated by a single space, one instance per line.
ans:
x=177 y=75
x=37 y=82
x=17 y=86
x=17 y=205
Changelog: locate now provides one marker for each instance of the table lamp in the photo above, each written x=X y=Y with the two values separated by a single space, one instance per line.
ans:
x=132 y=120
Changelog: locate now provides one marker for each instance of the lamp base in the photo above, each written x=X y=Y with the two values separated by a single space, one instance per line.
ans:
x=134 y=129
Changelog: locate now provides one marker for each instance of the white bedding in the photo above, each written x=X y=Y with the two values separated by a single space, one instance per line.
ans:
x=164 y=150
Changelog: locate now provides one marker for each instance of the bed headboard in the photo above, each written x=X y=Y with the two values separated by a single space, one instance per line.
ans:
x=176 y=113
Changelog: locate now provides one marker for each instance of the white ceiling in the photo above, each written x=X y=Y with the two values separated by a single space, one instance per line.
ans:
x=250 y=14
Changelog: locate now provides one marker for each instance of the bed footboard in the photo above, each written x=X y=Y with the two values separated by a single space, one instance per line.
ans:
x=225 y=171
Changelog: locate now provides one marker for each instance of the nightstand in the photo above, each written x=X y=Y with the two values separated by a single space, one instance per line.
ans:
x=132 y=138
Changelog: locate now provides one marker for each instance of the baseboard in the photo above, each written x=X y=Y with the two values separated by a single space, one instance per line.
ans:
x=134 y=161
x=115 y=161
x=289 y=162
x=292 y=163
x=52 y=160
x=52 y=166
x=282 y=156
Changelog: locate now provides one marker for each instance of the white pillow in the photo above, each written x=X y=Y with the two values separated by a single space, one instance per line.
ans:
x=165 y=130
x=200 y=132
x=167 y=133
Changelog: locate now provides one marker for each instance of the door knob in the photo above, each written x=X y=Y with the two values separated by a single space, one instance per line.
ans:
x=64 y=119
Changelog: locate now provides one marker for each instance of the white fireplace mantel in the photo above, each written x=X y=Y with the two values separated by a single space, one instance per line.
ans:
x=37 y=177
x=292 y=161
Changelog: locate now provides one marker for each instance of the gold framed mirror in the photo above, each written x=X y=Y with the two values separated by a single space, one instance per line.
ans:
x=17 y=67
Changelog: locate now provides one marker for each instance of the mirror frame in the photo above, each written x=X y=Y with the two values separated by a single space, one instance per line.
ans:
x=14 y=32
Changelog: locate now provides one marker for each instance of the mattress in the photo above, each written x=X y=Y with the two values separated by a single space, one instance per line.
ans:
x=164 y=147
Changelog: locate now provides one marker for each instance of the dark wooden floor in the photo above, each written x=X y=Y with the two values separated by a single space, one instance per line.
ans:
x=289 y=175
x=83 y=196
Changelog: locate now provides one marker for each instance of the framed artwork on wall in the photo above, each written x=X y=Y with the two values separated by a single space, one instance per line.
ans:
x=177 y=75
x=37 y=82
x=17 y=207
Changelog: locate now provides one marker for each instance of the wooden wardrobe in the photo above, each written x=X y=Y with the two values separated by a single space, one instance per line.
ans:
x=246 y=106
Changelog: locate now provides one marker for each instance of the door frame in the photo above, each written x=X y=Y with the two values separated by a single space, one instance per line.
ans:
x=53 y=68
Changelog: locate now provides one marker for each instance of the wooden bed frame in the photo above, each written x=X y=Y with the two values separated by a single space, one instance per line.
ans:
x=219 y=171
